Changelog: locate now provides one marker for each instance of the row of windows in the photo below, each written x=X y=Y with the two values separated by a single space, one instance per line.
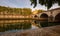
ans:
x=14 y=16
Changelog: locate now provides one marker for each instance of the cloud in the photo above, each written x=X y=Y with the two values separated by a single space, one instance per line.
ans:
x=21 y=4
x=10 y=3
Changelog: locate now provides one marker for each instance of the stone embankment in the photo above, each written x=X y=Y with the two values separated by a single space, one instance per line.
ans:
x=46 y=31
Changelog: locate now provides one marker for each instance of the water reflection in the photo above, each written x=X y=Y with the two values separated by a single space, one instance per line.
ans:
x=46 y=23
x=34 y=26
x=20 y=26
x=15 y=26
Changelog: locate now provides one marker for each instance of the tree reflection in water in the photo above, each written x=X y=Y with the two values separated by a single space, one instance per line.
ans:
x=15 y=26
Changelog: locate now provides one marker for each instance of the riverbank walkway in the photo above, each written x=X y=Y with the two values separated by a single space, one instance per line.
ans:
x=46 y=31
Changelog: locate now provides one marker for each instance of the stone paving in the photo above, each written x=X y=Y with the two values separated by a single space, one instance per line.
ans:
x=46 y=31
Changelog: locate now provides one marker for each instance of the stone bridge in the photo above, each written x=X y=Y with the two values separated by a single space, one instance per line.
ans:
x=51 y=15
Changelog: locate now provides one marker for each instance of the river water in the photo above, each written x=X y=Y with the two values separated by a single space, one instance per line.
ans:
x=26 y=25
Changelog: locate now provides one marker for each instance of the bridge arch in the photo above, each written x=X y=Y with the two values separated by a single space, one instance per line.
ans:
x=43 y=15
x=35 y=16
x=57 y=17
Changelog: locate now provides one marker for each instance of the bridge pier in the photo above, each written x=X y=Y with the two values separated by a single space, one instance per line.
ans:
x=51 y=19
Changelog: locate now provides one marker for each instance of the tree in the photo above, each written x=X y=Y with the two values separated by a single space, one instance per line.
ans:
x=47 y=3
x=26 y=11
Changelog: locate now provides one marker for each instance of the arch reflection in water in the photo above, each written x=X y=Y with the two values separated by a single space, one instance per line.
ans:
x=45 y=23
x=41 y=23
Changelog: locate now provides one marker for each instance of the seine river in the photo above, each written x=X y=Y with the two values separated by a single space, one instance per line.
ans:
x=13 y=26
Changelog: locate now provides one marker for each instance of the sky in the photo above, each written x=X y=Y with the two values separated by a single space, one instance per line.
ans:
x=23 y=4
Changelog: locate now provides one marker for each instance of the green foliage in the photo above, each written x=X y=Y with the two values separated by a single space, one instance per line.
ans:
x=20 y=11
x=34 y=2
x=47 y=3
